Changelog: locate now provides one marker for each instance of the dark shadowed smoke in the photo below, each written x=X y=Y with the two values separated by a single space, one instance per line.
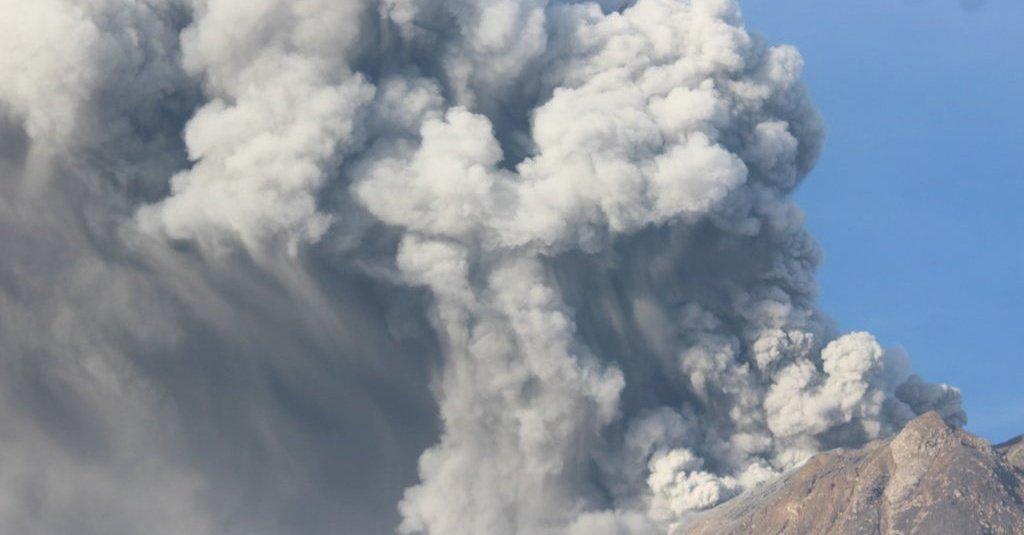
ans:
x=451 y=266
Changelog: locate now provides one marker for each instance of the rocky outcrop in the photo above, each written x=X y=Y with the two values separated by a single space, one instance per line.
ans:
x=929 y=478
x=1013 y=451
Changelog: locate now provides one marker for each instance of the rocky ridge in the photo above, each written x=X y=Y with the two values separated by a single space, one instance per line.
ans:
x=929 y=478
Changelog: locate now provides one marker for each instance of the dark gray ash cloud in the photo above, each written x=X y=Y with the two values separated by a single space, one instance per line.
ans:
x=445 y=266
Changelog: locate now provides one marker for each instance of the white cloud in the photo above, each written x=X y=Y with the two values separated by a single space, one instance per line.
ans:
x=571 y=223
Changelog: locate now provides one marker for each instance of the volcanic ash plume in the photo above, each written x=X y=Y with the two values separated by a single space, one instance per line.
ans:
x=267 y=223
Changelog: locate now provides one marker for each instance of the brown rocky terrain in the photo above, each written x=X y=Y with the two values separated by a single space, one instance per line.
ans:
x=928 y=479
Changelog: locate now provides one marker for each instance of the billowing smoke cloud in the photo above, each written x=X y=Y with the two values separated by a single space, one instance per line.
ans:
x=455 y=266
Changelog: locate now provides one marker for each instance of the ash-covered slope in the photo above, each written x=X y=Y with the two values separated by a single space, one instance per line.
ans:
x=930 y=478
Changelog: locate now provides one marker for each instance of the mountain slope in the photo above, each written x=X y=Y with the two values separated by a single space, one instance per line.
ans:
x=929 y=478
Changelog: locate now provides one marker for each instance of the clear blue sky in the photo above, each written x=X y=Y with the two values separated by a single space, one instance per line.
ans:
x=917 y=198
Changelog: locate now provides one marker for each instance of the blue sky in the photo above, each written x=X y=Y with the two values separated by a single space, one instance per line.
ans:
x=916 y=199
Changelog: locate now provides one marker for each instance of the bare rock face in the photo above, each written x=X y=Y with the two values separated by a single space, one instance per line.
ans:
x=1013 y=450
x=929 y=478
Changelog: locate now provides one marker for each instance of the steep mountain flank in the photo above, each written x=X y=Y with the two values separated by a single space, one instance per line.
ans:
x=929 y=478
